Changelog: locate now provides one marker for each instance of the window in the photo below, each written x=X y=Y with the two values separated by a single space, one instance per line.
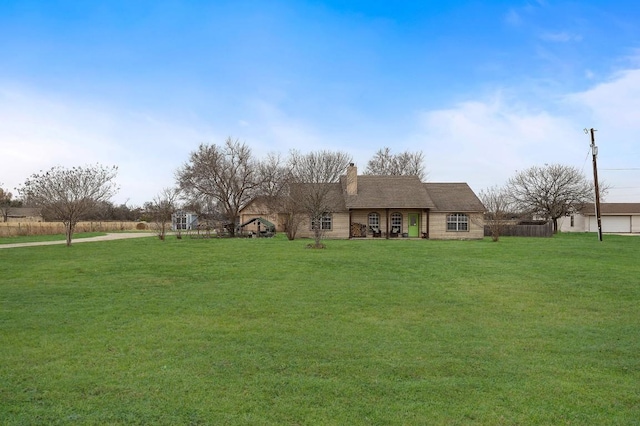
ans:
x=572 y=221
x=457 y=222
x=396 y=223
x=181 y=221
x=326 y=222
x=374 y=221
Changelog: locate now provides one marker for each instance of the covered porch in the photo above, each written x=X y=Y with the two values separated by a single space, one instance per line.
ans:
x=389 y=223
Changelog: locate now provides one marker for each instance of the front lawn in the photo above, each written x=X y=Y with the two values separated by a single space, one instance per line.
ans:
x=264 y=331
x=52 y=237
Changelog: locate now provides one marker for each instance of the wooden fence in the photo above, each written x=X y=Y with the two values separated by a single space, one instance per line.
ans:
x=530 y=229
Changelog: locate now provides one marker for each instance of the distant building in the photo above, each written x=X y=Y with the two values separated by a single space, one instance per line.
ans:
x=184 y=221
x=619 y=218
x=23 y=214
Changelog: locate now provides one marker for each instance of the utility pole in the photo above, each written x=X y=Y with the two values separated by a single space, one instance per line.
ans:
x=594 y=151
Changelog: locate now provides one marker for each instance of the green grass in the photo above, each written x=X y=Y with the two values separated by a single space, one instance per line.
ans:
x=53 y=237
x=264 y=331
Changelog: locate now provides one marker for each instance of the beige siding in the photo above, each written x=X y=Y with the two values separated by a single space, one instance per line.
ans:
x=438 y=227
x=436 y=222
x=340 y=228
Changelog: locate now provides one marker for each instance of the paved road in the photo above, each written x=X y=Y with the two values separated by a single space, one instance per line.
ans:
x=108 y=237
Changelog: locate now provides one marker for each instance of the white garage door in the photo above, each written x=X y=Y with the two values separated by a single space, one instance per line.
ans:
x=611 y=224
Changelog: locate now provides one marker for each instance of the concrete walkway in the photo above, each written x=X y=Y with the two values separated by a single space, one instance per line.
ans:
x=108 y=237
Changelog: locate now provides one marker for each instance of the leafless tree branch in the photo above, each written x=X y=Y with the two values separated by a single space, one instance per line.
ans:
x=405 y=163
x=551 y=191
x=310 y=189
x=226 y=174
x=69 y=195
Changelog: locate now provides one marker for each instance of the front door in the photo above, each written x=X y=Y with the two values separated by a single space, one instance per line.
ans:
x=414 y=226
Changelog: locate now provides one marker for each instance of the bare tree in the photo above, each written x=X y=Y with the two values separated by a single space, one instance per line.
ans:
x=314 y=186
x=496 y=201
x=293 y=216
x=70 y=195
x=276 y=193
x=160 y=210
x=226 y=174
x=210 y=216
x=551 y=191
x=5 y=203
x=405 y=163
x=273 y=175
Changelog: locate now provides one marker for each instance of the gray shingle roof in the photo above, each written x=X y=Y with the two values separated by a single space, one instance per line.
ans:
x=24 y=212
x=376 y=192
x=612 y=208
x=335 y=197
x=334 y=200
x=454 y=197
x=402 y=192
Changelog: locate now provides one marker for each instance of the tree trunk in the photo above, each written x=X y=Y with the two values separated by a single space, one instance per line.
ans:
x=68 y=230
x=317 y=236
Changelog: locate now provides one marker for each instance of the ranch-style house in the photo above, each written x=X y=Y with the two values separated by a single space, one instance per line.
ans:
x=367 y=206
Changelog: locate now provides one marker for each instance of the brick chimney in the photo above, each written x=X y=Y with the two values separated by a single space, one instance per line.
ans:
x=352 y=180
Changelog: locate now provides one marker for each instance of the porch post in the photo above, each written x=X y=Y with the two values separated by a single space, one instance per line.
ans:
x=427 y=222
x=387 y=220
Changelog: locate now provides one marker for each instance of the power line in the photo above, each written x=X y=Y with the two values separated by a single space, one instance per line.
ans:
x=585 y=160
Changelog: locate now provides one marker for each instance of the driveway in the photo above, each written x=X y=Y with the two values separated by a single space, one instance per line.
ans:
x=108 y=237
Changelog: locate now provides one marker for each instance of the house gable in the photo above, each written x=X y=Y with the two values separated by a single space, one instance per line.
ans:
x=454 y=197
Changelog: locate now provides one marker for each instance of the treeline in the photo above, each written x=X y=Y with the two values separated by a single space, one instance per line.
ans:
x=104 y=211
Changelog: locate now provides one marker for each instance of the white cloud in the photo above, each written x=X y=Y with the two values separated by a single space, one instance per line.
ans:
x=614 y=104
x=560 y=37
x=275 y=130
x=613 y=108
x=39 y=131
x=512 y=17
x=484 y=141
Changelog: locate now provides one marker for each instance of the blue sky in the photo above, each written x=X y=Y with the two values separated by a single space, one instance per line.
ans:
x=482 y=88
